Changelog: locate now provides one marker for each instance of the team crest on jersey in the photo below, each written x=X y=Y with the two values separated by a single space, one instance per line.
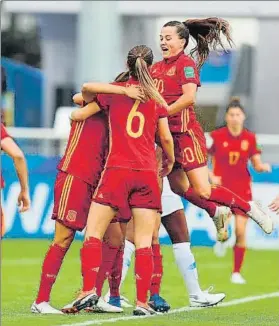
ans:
x=171 y=71
x=71 y=216
x=225 y=144
x=244 y=145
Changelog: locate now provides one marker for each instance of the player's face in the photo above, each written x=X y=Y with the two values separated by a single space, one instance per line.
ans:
x=170 y=42
x=235 y=117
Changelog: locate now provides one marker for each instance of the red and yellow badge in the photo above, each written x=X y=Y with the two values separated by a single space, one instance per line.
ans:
x=225 y=144
x=244 y=145
x=171 y=71
x=71 y=216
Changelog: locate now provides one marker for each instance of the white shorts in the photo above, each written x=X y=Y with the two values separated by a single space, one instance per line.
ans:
x=170 y=201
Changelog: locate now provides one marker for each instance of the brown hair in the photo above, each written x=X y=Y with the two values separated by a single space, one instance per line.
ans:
x=235 y=103
x=207 y=34
x=139 y=59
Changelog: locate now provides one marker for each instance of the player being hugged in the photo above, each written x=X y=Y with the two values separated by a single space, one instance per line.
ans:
x=130 y=177
x=232 y=148
x=78 y=174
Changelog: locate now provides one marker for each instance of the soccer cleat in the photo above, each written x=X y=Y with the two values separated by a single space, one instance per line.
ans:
x=206 y=299
x=143 y=311
x=220 y=249
x=221 y=220
x=237 y=278
x=44 y=308
x=158 y=304
x=103 y=306
x=115 y=301
x=86 y=301
x=260 y=217
x=124 y=302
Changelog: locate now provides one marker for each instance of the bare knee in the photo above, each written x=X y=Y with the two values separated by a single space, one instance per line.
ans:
x=203 y=191
x=240 y=240
x=64 y=239
x=155 y=238
x=115 y=241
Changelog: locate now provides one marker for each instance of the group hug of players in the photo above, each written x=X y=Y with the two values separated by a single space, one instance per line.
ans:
x=111 y=177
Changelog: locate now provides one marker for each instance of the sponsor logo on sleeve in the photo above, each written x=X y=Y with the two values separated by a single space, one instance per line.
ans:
x=189 y=72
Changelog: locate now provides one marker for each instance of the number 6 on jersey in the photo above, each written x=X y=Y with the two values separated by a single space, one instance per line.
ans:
x=134 y=114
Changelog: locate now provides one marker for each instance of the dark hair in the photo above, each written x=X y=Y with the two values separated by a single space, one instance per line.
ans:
x=139 y=59
x=207 y=34
x=235 y=103
x=3 y=80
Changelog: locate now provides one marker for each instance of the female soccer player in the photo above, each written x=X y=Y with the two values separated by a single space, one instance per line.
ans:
x=78 y=174
x=185 y=260
x=177 y=79
x=9 y=146
x=129 y=177
x=232 y=148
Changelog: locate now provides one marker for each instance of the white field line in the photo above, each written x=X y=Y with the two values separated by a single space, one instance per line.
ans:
x=176 y=311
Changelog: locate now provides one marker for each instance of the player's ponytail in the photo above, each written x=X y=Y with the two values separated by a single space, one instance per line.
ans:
x=147 y=83
x=235 y=103
x=207 y=34
x=123 y=77
x=140 y=58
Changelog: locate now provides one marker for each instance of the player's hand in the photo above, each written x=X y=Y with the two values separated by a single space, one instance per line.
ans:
x=166 y=169
x=274 y=206
x=216 y=180
x=23 y=201
x=135 y=92
x=266 y=167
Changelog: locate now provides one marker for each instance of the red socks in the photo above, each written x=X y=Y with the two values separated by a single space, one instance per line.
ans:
x=224 y=196
x=91 y=258
x=143 y=272
x=109 y=253
x=192 y=197
x=239 y=254
x=51 y=266
x=158 y=270
x=116 y=274
x=219 y=195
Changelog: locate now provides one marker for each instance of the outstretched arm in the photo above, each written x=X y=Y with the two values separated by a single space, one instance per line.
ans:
x=187 y=99
x=9 y=146
x=85 y=112
x=89 y=91
x=258 y=165
x=166 y=141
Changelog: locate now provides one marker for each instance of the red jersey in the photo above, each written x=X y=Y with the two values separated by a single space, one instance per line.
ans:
x=86 y=148
x=4 y=134
x=231 y=155
x=169 y=76
x=132 y=130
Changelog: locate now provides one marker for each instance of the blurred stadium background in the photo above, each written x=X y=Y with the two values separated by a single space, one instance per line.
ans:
x=49 y=48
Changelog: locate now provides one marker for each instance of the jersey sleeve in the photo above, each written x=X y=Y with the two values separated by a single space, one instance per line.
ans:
x=4 y=132
x=103 y=100
x=162 y=112
x=254 y=148
x=188 y=72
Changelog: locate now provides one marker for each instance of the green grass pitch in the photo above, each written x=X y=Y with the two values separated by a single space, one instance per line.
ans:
x=21 y=264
